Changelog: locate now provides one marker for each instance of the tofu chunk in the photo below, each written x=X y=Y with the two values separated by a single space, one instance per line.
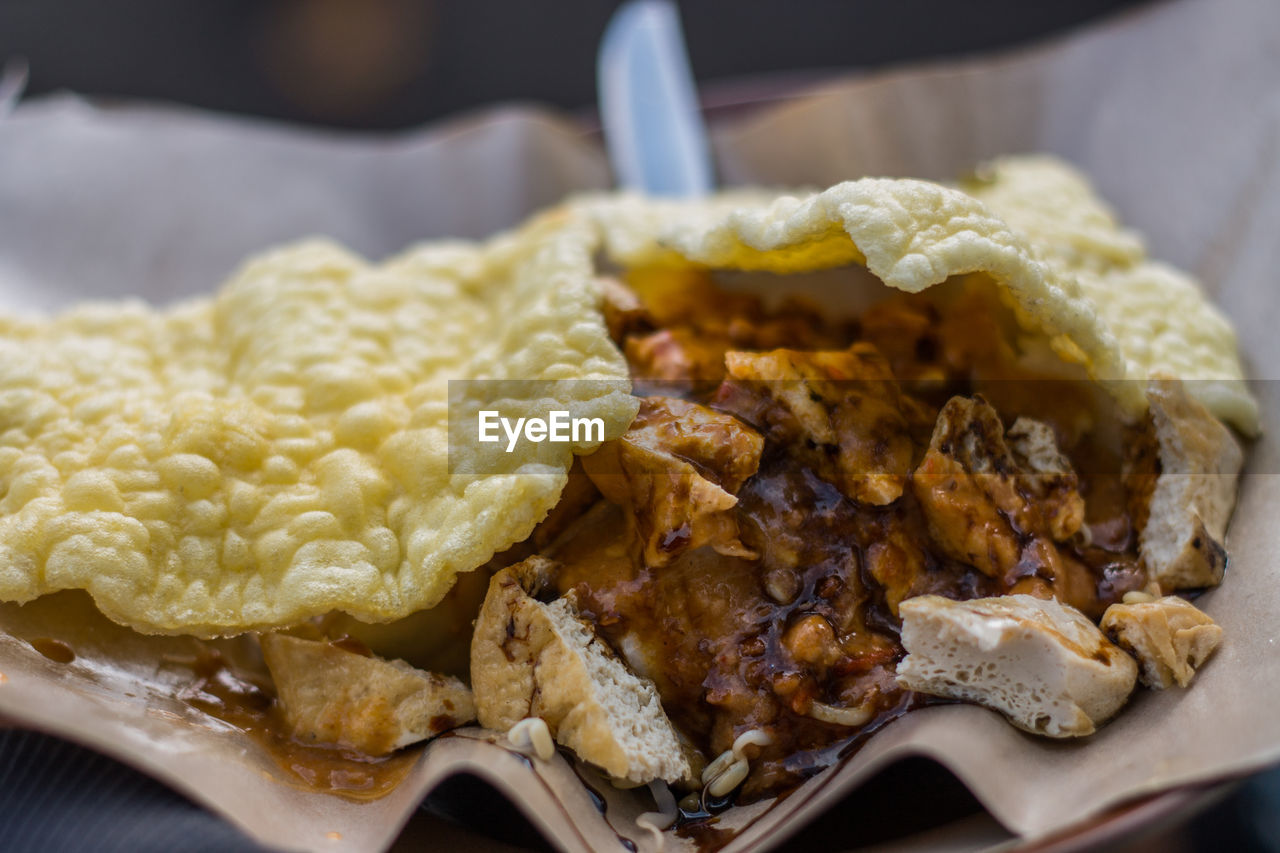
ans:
x=330 y=695
x=1042 y=664
x=1194 y=493
x=623 y=312
x=530 y=659
x=677 y=468
x=1170 y=638
x=845 y=405
x=988 y=496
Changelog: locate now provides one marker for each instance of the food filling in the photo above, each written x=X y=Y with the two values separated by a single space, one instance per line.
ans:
x=790 y=480
x=726 y=595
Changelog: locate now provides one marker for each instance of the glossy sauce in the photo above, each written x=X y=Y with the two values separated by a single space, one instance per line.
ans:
x=597 y=799
x=247 y=703
x=55 y=650
x=703 y=828
x=736 y=643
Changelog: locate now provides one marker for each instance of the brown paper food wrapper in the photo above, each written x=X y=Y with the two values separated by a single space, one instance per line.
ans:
x=1173 y=112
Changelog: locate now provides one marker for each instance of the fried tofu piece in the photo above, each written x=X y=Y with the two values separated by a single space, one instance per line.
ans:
x=530 y=659
x=1042 y=664
x=677 y=469
x=1170 y=638
x=334 y=696
x=1048 y=473
x=984 y=496
x=844 y=405
x=624 y=315
x=676 y=355
x=1194 y=493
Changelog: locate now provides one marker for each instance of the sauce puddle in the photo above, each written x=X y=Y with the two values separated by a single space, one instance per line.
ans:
x=702 y=827
x=238 y=699
x=55 y=650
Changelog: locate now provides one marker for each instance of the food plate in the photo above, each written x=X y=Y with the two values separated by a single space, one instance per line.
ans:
x=1201 y=197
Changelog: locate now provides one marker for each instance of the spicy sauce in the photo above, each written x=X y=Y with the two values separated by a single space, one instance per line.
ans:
x=242 y=700
x=55 y=650
x=800 y=636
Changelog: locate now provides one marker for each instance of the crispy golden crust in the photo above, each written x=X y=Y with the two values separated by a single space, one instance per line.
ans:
x=1159 y=316
x=910 y=234
x=1032 y=224
x=281 y=450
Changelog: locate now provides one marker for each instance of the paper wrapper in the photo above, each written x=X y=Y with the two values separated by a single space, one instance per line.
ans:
x=1172 y=111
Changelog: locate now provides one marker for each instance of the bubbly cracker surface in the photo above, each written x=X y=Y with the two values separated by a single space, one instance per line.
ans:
x=1162 y=322
x=1031 y=223
x=280 y=450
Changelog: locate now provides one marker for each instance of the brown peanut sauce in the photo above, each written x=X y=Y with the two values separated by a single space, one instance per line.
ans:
x=55 y=650
x=806 y=625
x=245 y=700
x=224 y=679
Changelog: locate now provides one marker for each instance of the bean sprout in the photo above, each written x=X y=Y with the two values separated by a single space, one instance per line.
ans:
x=666 y=814
x=729 y=779
x=722 y=763
x=752 y=737
x=730 y=767
x=858 y=715
x=532 y=734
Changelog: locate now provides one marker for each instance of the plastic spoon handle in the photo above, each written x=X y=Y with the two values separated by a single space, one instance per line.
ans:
x=653 y=129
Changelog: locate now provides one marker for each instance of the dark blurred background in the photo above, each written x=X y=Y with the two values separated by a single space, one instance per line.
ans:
x=397 y=63
x=387 y=64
